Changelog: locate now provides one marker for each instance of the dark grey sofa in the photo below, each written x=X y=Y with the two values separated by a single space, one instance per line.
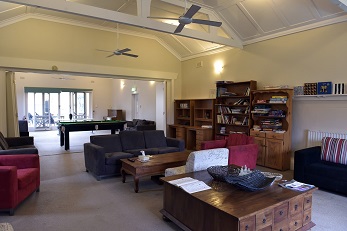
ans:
x=17 y=145
x=309 y=168
x=102 y=155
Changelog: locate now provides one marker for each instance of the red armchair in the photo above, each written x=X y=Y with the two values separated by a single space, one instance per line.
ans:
x=19 y=177
x=242 y=149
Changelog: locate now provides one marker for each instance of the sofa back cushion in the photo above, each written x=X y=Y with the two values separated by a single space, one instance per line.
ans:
x=3 y=142
x=334 y=150
x=155 y=139
x=132 y=140
x=111 y=143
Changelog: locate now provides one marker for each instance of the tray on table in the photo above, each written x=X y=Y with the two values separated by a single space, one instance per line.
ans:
x=252 y=181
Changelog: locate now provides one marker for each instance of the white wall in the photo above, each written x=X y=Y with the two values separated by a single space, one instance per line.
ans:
x=317 y=114
x=146 y=98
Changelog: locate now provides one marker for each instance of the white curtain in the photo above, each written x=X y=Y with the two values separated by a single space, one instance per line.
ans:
x=11 y=105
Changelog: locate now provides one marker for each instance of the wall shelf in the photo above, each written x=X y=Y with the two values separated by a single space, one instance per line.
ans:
x=319 y=97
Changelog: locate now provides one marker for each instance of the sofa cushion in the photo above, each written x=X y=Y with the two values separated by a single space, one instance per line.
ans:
x=334 y=150
x=164 y=150
x=155 y=139
x=26 y=176
x=3 y=142
x=111 y=143
x=113 y=158
x=328 y=169
x=132 y=140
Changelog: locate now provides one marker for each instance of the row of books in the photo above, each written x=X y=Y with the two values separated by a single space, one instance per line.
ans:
x=225 y=110
x=225 y=119
x=278 y=99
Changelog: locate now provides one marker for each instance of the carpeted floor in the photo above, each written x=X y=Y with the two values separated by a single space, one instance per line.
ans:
x=71 y=199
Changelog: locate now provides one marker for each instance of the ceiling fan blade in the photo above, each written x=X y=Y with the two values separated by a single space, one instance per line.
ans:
x=109 y=56
x=131 y=55
x=191 y=11
x=163 y=18
x=104 y=50
x=207 y=22
x=179 y=28
x=124 y=50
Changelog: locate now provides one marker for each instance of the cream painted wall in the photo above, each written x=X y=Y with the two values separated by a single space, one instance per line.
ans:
x=38 y=44
x=310 y=56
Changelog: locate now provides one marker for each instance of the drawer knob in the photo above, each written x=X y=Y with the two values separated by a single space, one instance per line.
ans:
x=296 y=207
x=281 y=229
x=281 y=213
x=307 y=217
x=246 y=227
x=308 y=201
x=264 y=220
x=296 y=223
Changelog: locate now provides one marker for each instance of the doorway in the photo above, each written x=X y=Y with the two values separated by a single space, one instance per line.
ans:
x=45 y=109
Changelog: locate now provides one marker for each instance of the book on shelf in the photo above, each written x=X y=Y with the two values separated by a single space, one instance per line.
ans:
x=296 y=185
x=190 y=185
x=247 y=91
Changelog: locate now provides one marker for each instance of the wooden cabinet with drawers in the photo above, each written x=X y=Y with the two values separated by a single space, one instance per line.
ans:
x=272 y=130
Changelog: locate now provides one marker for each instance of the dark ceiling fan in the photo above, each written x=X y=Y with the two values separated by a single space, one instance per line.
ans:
x=187 y=18
x=118 y=51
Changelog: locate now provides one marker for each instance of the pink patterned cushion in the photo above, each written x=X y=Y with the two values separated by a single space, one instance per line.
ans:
x=334 y=150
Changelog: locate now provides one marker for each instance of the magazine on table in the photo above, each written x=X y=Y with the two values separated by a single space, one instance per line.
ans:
x=190 y=185
x=296 y=185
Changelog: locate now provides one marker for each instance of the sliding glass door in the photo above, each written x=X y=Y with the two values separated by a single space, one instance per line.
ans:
x=45 y=109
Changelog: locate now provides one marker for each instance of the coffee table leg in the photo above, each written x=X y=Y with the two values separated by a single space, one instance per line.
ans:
x=136 y=181
x=123 y=175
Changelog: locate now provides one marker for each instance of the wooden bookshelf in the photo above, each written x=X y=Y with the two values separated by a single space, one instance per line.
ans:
x=232 y=108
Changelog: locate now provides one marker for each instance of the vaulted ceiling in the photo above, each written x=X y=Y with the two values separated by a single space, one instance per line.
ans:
x=243 y=21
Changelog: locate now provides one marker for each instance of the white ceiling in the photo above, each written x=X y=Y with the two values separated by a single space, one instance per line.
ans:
x=244 y=21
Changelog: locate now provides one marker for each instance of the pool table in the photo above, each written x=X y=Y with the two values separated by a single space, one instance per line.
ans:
x=65 y=127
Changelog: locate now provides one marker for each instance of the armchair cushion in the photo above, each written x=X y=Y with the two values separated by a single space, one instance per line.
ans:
x=26 y=177
x=242 y=155
x=239 y=139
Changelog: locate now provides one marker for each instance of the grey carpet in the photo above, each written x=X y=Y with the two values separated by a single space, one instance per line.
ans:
x=71 y=199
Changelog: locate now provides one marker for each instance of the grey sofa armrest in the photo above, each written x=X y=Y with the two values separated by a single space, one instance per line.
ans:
x=19 y=141
x=19 y=151
x=94 y=157
x=303 y=158
x=174 y=142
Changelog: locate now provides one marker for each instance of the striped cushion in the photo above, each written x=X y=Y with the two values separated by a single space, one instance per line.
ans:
x=334 y=150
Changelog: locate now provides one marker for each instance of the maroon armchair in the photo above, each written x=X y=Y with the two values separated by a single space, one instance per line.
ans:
x=19 y=177
x=242 y=149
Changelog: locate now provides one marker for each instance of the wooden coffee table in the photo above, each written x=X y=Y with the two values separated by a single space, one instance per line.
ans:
x=226 y=207
x=155 y=166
